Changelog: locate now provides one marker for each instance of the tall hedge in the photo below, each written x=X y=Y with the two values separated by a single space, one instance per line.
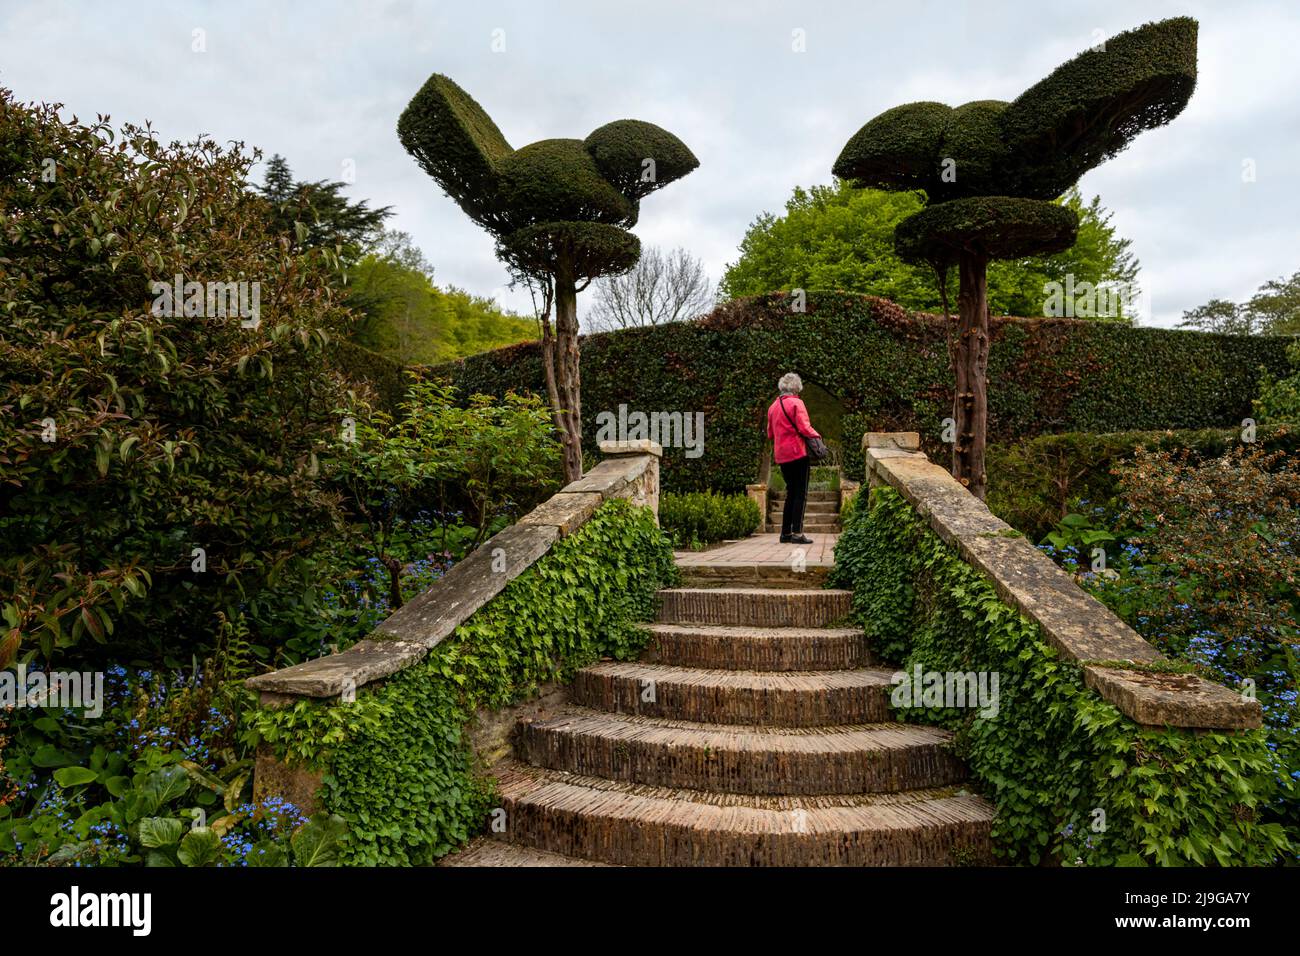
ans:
x=890 y=371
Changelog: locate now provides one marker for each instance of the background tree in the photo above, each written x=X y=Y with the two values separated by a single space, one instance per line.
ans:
x=558 y=208
x=839 y=237
x=404 y=316
x=659 y=288
x=1219 y=315
x=1273 y=310
x=1276 y=306
x=990 y=169
x=317 y=215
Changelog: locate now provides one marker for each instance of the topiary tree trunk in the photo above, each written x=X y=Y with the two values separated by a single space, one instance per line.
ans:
x=971 y=363
x=568 y=367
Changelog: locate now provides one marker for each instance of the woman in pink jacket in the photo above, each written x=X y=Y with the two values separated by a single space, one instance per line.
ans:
x=788 y=426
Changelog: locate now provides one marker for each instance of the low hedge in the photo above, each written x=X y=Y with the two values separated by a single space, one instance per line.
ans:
x=1073 y=780
x=1034 y=484
x=397 y=762
x=703 y=517
x=889 y=370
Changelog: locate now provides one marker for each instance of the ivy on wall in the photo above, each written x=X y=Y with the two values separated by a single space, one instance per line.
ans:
x=1073 y=780
x=397 y=762
x=890 y=371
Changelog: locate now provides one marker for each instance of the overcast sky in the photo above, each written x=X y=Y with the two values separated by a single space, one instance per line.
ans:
x=323 y=83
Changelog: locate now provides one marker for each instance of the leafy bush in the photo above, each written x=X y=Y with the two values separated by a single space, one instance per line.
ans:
x=890 y=371
x=1054 y=753
x=1035 y=483
x=703 y=517
x=1279 y=397
x=132 y=434
x=1202 y=559
x=153 y=780
x=489 y=455
x=397 y=763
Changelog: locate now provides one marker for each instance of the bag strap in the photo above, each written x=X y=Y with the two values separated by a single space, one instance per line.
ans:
x=781 y=401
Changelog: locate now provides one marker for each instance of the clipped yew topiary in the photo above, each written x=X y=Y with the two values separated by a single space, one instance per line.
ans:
x=559 y=210
x=990 y=170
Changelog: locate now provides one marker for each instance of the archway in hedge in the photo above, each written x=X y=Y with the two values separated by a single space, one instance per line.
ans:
x=826 y=412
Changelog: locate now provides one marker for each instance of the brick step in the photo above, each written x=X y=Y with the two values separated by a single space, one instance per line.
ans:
x=760 y=607
x=812 y=508
x=872 y=758
x=765 y=698
x=640 y=825
x=485 y=851
x=753 y=575
x=757 y=649
x=812 y=496
x=820 y=525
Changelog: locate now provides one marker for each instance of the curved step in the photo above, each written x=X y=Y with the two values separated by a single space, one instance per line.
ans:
x=876 y=758
x=811 y=507
x=759 y=607
x=753 y=575
x=636 y=825
x=485 y=851
x=757 y=649
x=763 y=698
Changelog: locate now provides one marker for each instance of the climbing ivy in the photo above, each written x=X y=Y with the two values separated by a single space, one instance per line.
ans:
x=397 y=762
x=1074 y=781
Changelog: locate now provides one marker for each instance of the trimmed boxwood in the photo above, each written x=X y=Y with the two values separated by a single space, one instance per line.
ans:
x=890 y=371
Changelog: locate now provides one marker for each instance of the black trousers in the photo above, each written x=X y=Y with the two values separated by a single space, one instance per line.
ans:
x=796 y=494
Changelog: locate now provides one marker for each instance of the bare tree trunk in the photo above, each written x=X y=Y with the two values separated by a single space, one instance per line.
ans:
x=970 y=401
x=568 y=372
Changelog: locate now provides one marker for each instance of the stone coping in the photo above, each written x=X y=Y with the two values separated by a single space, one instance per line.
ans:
x=408 y=634
x=1074 y=622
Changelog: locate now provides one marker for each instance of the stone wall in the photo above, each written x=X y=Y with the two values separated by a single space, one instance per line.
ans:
x=1079 y=626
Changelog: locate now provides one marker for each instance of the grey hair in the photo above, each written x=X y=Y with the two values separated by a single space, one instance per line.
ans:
x=790 y=384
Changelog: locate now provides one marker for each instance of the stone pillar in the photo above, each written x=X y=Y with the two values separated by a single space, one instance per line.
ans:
x=645 y=490
x=758 y=495
x=902 y=442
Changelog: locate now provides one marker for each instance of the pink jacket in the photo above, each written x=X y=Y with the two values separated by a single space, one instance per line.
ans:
x=787 y=442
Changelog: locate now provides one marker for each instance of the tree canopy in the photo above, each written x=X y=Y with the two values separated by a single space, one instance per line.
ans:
x=403 y=315
x=837 y=237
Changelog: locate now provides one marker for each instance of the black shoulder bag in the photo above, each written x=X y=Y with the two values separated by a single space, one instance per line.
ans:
x=815 y=447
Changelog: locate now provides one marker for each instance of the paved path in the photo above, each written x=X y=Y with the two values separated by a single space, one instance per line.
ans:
x=762 y=549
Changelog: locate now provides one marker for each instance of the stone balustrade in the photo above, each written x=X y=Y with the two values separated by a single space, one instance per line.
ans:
x=1074 y=622
x=630 y=470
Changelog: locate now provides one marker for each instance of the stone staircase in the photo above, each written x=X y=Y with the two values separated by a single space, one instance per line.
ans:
x=753 y=732
x=822 y=516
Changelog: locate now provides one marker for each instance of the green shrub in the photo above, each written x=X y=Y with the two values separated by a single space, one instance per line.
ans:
x=1035 y=483
x=132 y=433
x=703 y=517
x=1201 y=558
x=398 y=766
x=890 y=371
x=1055 y=753
x=1279 y=396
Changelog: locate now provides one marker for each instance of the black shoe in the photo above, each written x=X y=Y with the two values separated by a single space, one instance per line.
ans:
x=800 y=539
x=785 y=539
